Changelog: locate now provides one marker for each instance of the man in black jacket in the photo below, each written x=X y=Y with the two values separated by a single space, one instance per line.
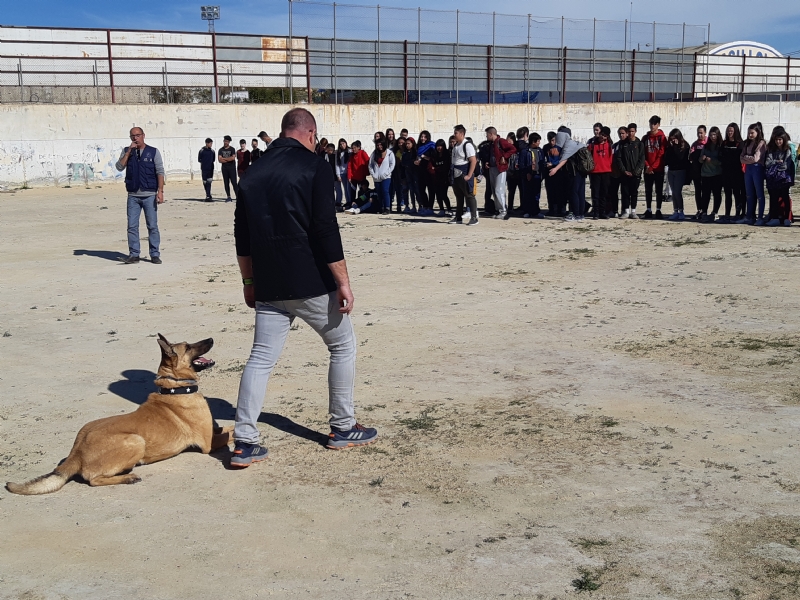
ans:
x=292 y=263
x=484 y=158
x=206 y=157
x=629 y=160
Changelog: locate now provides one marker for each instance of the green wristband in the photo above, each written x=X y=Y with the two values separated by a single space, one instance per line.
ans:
x=247 y=281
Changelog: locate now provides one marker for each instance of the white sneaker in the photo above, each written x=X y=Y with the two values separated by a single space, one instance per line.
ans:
x=500 y=215
x=356 y=211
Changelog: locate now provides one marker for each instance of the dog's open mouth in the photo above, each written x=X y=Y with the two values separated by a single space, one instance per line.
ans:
x=201 y=363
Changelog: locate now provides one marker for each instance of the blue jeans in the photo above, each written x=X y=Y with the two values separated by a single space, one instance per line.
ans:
x=273 y=321
x=343 y=191
x=577 y=198
x=676 y=180
x=382 y=188
x=150 y=207
x=754 y=185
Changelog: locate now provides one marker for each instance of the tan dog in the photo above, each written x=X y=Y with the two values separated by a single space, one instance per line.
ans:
x=173 y=419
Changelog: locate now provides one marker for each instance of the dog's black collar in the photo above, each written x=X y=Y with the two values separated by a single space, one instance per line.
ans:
x=189 y=389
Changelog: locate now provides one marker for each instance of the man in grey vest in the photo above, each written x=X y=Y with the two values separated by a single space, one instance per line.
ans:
x=144 y=180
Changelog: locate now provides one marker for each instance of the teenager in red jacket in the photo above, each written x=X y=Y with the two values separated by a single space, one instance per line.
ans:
x=358 y=166
x=502 y=150
x=600 y=177
x=655 y=145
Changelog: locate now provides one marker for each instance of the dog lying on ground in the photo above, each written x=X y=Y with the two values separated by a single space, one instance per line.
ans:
x=173 y=419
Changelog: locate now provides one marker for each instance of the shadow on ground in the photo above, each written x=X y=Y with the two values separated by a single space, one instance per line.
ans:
x=137 y=384
x=198 y=200
x=104 y=254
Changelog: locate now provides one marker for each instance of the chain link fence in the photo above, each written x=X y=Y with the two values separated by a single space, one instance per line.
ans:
x=423 y=55
x=342 y=54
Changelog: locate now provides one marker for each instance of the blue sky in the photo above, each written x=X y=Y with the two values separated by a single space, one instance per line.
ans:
x=774 y=23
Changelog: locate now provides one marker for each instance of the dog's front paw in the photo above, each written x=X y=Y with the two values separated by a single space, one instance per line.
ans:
x=131 y=479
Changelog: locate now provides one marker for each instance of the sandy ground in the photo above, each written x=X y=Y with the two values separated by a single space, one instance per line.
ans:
x=606 y=409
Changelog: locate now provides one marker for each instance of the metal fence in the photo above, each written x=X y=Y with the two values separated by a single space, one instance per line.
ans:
x=457 y=56
x=337 y=53
x=87 y=66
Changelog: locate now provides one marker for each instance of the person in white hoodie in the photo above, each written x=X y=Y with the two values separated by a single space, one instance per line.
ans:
x=381 y=165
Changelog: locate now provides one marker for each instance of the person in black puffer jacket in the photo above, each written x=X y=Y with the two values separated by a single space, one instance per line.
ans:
x=441 y=179
x=732 y=173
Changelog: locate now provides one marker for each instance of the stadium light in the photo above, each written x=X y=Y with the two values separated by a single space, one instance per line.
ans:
x=210 y=14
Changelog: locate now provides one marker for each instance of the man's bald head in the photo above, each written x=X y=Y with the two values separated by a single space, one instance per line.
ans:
x=300 y=125
x=298 y=119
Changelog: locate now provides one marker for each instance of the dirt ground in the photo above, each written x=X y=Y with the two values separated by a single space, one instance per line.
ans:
x=606 y=409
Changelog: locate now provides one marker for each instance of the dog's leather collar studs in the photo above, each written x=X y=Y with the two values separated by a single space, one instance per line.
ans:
x=189 y=389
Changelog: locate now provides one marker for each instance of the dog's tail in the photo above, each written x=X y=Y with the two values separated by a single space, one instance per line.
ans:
x=46 y=484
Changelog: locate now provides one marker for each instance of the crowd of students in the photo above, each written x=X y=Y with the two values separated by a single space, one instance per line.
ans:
x=413 y=175
x=234 y=163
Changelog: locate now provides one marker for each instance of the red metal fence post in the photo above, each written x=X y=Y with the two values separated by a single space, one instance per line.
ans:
x=110 y=67
x=744 y=70
x=488 y=74
x=405 y=71
x=308 y=75
x=564 y=76
x=214 y=58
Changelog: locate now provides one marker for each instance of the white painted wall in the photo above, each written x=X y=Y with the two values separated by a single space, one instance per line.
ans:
x=53 y=144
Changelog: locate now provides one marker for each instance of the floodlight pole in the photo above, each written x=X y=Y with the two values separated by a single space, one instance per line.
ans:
x=210 y=14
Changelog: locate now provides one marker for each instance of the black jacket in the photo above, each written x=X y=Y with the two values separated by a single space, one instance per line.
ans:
x=441 y=162
x=285 y=220
x=630 y=157
x=677 y=158
x=730 y=154
x=207 y=159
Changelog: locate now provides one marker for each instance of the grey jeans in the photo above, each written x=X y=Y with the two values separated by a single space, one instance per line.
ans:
x=498 y=183
x=273 y=320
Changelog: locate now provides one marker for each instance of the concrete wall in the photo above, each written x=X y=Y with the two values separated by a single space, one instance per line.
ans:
x=57 y=144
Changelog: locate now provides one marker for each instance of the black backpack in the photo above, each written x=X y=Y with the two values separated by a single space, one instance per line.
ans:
x=582 y=161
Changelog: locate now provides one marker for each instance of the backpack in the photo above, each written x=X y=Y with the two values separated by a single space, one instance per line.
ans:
x=582 y=161
x=513 y=163
x=522 y=158
x=536 y=156
x=478 y=169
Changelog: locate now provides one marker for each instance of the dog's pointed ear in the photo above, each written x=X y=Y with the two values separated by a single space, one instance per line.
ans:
x=161 y=337
x=166 y=349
